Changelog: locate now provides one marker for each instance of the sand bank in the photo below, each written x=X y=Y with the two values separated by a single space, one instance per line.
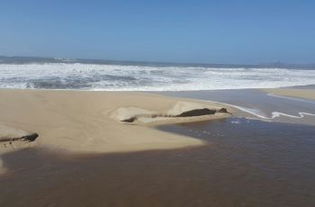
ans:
x=91 y=122
x=290 y=92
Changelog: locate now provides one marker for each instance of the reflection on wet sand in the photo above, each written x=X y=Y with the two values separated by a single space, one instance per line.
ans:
x=246 y=163
x=258 y=104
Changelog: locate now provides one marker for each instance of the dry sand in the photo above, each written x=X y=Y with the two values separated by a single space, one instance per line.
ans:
x=290 y=92
x=89 y=122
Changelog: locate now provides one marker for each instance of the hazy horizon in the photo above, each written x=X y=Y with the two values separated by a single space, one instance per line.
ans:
x=247 y=32
x=30 y=59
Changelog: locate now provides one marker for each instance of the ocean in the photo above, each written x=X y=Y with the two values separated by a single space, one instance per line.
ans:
x=207 y=82
x=266 y=159
x=122 y=76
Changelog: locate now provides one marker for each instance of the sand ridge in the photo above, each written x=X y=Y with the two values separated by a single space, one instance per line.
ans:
x=182 y=111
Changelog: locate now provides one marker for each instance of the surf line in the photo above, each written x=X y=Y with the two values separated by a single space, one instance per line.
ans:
x=275 y=114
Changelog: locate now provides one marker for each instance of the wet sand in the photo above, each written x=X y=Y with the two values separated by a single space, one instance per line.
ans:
x=305 y=93
x=246 y=163
x=258 y=104
x=227 y=162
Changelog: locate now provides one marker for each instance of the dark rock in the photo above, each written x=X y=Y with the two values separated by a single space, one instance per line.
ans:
x=223 y=110
x=132 y=119
x=30 y=137
x=197 y=112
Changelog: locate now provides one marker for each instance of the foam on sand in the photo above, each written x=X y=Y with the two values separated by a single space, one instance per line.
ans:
x=274 y=114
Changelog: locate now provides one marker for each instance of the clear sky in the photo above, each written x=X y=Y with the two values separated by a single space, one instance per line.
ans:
x=222 y=31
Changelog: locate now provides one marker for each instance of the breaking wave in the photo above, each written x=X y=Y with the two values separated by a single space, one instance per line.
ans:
x=147 y=78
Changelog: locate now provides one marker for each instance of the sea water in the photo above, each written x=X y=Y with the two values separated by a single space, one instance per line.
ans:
x=119 y=77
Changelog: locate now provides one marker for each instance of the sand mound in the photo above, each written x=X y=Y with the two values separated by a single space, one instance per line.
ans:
x=90 y=122
x=6 y=132
x=13 y=139
x=180 y=112
x=125 y=113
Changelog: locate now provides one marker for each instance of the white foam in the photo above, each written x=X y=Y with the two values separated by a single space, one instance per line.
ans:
x=147 y=78
x=275 y=114
x=300 y=115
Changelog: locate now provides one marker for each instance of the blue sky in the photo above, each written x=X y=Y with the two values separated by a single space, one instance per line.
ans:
x=248 y=31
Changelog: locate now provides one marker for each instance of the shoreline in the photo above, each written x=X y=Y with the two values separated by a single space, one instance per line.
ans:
x=86 y=122
x=258 y=104
x=304 y=93
x=83 y=122
x=84 y=145
x=239 y=147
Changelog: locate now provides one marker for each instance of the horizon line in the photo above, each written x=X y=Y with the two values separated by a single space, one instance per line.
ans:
x=27 y=59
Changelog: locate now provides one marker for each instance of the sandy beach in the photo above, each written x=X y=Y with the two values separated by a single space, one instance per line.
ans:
x=91 y=122
x=293 y=92
x=122 y=148
x=157 y=104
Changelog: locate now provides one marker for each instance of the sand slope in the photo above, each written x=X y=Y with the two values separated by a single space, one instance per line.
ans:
x=79 y=121
x=290 y=92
